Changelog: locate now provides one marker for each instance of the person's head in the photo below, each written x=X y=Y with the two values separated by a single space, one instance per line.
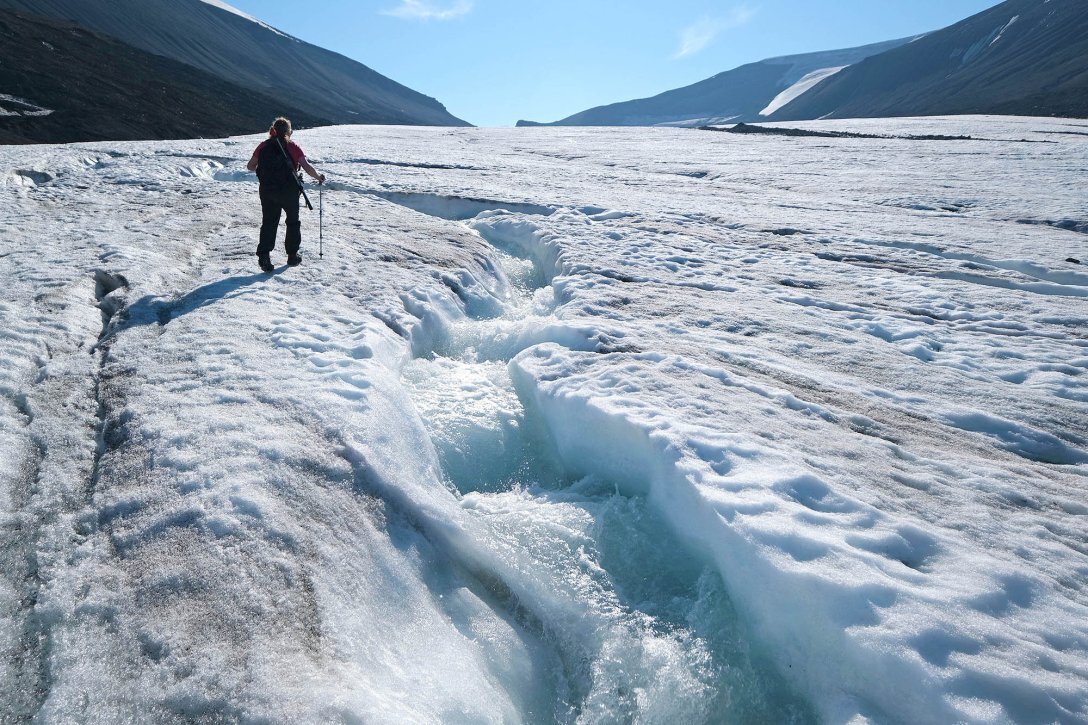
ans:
x=281 y=127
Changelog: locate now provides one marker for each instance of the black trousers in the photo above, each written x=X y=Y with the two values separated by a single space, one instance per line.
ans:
x=272 y=205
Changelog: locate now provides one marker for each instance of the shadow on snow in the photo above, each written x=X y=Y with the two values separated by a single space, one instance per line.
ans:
x=151 y=310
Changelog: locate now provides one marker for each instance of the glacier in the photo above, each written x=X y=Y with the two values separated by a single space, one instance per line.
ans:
x=563 y=425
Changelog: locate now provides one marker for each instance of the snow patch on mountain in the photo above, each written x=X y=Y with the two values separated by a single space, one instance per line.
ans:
x=231 y=9
x=979 y=46
x=799 y=88
x=1009 y=25
x=16 y=106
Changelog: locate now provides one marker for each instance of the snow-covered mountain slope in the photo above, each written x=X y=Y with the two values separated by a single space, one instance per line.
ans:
x=231 y=9
x=800 y=87
x=1021 y=57
x=619 y=425
x=739 y=94
x=218 y=39
x=65 y=83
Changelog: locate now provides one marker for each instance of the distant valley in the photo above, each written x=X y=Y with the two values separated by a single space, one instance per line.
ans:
x=1021 y=57
x=741 y=94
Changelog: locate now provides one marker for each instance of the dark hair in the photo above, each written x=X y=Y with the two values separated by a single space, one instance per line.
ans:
x=280 y=127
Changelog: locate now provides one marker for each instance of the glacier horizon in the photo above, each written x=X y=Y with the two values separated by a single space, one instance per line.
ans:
x=577 y=425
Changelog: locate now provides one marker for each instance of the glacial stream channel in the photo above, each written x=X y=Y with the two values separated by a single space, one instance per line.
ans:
x=639 y=627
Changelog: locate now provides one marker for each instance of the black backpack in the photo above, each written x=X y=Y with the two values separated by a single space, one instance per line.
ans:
x=275 y=172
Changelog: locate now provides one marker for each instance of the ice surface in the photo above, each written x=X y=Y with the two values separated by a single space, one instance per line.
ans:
x=577 y=425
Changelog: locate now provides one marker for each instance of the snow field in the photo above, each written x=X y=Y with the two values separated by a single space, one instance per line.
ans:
x=576 y=425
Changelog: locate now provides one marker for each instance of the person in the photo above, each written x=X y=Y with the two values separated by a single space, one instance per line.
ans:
x=277 y=161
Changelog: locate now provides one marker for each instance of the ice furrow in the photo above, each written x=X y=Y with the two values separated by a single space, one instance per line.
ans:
x=22 y=671
x=44 y=501
x=576 y=543
x=109 y=290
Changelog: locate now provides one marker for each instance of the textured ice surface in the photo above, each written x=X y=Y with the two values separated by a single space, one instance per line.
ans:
x=577 y=425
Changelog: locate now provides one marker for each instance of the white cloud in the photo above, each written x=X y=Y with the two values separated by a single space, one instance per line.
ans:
x=703 y=32
x=427 y=10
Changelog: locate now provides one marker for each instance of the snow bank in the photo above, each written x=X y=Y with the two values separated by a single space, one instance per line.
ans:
x=853 y=601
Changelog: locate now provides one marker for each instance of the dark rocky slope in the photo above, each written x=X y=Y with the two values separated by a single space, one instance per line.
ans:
x=251 y=55
x=100 y=89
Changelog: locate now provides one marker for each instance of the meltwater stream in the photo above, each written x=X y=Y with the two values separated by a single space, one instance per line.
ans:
x=643 y=628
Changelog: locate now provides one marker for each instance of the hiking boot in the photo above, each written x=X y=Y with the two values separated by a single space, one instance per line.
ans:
x=265 y=263
x=294 y=260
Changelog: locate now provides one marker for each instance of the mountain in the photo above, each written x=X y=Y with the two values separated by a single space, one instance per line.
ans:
x=1022 y=57
x=64 y=83
x=739 y=94
x=220 y=40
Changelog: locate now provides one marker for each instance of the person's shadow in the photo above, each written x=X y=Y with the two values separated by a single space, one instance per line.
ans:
x=151 y=310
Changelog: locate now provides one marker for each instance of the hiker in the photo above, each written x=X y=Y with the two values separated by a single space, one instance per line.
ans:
x=280 y=190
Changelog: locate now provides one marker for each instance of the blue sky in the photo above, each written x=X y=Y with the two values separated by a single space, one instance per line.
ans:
x=492 y=62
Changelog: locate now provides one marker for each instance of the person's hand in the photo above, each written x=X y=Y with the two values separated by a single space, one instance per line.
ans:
x=321 y=178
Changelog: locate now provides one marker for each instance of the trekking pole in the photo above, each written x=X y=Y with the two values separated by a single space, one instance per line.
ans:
x=321 y=220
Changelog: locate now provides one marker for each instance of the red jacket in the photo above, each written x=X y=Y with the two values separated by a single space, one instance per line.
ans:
x=293 y=149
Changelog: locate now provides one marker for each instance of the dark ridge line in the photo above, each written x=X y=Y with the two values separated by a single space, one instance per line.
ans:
x=1065 y=133
x=412 y=165
x=1066 y=225
x=747 y=128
